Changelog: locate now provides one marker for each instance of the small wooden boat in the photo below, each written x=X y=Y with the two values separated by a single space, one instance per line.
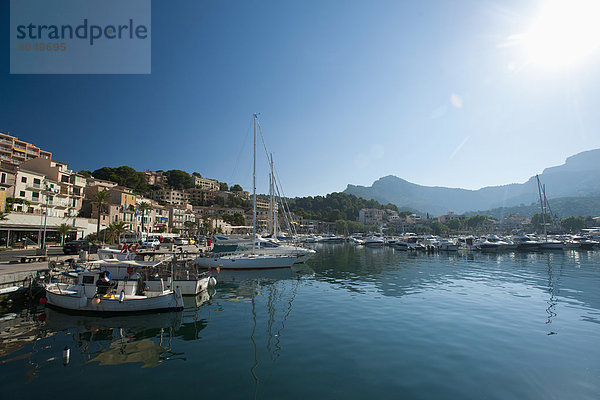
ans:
x=93 y=293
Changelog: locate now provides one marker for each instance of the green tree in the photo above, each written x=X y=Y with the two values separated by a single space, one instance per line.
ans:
x=190 y=225
x=341 y=226
x=116 y=229
x=236 y=188
x=100 y=199
x=143 y=207
x=538 y=220
x=175 y=230
x=572 y=224
x=223 y=187
x=63 y=230
x=124 y=176
x=85 y=173
x=178 y=179
x=475 y=222
x=437 y=228
x=454 y=225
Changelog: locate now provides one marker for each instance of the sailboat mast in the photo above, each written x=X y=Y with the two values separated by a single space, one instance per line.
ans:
x=273 y=205
x=542 y=206
x=254 y=192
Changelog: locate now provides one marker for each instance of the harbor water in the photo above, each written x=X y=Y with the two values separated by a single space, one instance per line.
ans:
x=352 y=323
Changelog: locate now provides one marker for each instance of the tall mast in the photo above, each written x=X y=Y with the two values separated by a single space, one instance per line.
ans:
x=271 y=226
x=273 y=205
x=542 y=206
x=254 y=192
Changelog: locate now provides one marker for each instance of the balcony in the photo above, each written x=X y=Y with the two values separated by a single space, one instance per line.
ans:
x=35 y=186
x=19 y=146
x=6 y=141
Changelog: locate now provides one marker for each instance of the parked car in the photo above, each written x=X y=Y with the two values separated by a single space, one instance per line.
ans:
x=181 y=241
x=75 y=246
x=151 y=243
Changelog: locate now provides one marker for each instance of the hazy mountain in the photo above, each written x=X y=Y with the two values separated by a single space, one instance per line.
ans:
x=578 y=176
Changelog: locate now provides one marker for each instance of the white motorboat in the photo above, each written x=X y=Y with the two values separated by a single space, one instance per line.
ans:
x=374 y=241
x=447 y=245
x=401 y=245
x=91 y=294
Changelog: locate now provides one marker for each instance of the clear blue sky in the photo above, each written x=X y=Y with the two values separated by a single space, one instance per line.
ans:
x=348 y=92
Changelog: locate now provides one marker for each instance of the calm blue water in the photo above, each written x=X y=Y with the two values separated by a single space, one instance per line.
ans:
x=355 y=323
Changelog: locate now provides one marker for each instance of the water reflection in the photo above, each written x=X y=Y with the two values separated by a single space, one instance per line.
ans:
x=271 y=295
x=394 y=273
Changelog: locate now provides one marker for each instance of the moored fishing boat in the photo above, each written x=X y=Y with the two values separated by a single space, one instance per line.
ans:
x=95 y=293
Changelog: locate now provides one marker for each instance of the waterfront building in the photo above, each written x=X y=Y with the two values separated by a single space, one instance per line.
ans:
x=180 y=217
x=41 y=177
x=371 y=216
x=18 y=151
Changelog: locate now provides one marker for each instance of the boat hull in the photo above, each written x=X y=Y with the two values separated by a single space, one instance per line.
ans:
x=78 y=301
x=246 y=262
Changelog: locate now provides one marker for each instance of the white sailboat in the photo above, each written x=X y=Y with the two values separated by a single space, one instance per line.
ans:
x=243 y=261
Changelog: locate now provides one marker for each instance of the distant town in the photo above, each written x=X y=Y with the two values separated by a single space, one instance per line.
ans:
x=42 y=196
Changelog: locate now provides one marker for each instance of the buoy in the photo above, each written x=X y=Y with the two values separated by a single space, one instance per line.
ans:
x=212 y=282
x=66 y=355
x=95 y=301
x=43 y=300
x=122 y=296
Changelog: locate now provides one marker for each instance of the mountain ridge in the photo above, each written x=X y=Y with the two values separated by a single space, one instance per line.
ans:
x=579 y=176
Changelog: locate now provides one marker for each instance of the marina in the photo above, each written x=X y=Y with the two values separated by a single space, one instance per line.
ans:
x=357 y=321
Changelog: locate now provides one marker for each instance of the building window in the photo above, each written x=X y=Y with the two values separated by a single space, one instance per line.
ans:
x=3 y=178
x=22 y=193
x=24 y=179
x=36 y=181
x=35 y=195
x=64 y=179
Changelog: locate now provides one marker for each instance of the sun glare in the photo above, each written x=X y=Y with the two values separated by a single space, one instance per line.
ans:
x=565 y=32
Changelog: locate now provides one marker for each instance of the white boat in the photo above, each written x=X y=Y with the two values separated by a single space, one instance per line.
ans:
x=87 y=295
x=190 y=283
x=374 y=241
x=401 y=245
x=267 y=247
x=127 y=253
x=550 y=244
x=447 y=245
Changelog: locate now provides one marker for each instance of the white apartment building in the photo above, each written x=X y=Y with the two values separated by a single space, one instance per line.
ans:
x=206 y=183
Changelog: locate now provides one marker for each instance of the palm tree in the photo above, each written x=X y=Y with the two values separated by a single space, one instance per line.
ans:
x=63 y=229
x=100 y=199
x=116 y=229
x=143 y=206
x=190 y=225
